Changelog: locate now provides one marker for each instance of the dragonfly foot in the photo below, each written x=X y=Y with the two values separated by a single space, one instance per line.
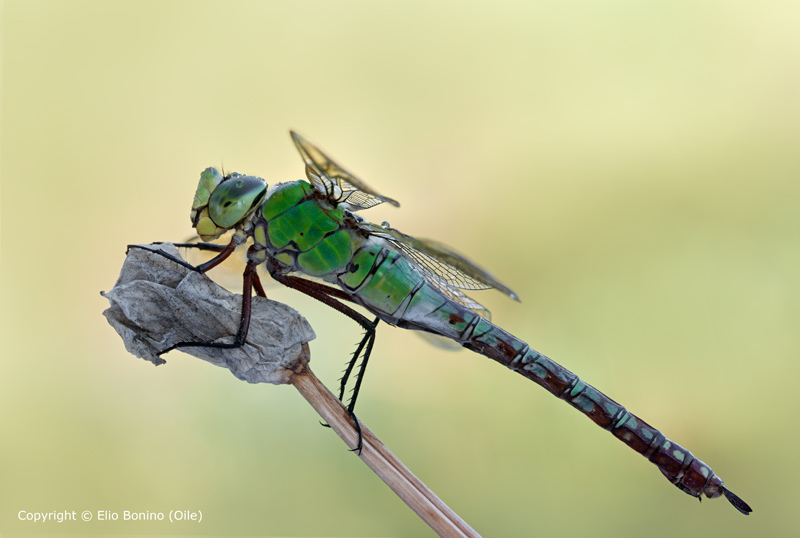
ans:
x=166 y=255
x=218 y=345
x=360 y=444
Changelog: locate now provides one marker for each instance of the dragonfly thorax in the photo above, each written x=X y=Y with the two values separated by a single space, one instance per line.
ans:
x=221 y=203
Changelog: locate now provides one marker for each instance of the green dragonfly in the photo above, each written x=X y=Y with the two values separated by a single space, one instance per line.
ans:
x=309 y=238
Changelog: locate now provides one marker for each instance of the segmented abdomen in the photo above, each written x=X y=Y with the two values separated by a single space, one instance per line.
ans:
x=677 y=464
x=395 y=291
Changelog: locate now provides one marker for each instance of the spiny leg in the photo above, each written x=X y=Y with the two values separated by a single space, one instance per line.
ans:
x=367 y=341
x=329 y=296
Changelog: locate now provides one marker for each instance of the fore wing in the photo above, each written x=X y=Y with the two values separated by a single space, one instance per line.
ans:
x=446 y=270
x=335 y=182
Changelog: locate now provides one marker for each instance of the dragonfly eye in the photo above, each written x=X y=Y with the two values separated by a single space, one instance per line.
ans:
x=232 y=199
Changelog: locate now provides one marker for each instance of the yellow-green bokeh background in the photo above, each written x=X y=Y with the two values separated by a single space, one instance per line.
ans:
x=630 y=168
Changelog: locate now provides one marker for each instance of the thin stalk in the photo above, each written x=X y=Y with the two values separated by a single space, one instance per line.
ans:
x=440 y=517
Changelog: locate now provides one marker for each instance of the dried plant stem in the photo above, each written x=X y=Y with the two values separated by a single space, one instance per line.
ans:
x=157 y=303
x=391 y=470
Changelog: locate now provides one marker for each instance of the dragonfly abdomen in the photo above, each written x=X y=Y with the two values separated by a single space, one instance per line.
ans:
x=676 y=463
x=455 y=321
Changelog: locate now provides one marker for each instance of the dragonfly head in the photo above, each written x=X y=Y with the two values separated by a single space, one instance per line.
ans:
x=222 y=202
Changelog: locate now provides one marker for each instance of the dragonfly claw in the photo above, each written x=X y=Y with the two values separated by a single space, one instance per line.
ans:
x=360 y=444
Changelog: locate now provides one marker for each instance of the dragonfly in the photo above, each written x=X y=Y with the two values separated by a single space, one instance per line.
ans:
x=308 y=236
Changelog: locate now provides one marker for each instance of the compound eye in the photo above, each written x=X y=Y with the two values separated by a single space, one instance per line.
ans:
x=233 y=198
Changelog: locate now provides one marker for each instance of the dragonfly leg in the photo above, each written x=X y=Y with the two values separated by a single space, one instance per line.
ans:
x=250 y=281
x=163 y=254
x=226 y=251
x=367 y=341
x=331 y=297
x=213 y=247
x=257 y=285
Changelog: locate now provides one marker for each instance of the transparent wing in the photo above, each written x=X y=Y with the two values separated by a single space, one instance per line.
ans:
x=439 y=341
x=446 y=270
x=461 y=298
x=438 y=262
x=334 y=181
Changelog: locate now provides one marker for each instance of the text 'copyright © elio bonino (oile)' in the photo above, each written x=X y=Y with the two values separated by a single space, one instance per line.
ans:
x=173 y=516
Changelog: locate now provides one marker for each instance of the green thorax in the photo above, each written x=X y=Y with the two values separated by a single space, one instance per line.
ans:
x=302 y=231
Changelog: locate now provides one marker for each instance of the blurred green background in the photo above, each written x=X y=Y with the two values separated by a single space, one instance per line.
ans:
x=629 y=168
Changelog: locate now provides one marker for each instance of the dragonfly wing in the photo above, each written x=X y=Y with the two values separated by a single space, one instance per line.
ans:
x=461 y=298
x=439 y=264
x=335 y=182
x=439 y=341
